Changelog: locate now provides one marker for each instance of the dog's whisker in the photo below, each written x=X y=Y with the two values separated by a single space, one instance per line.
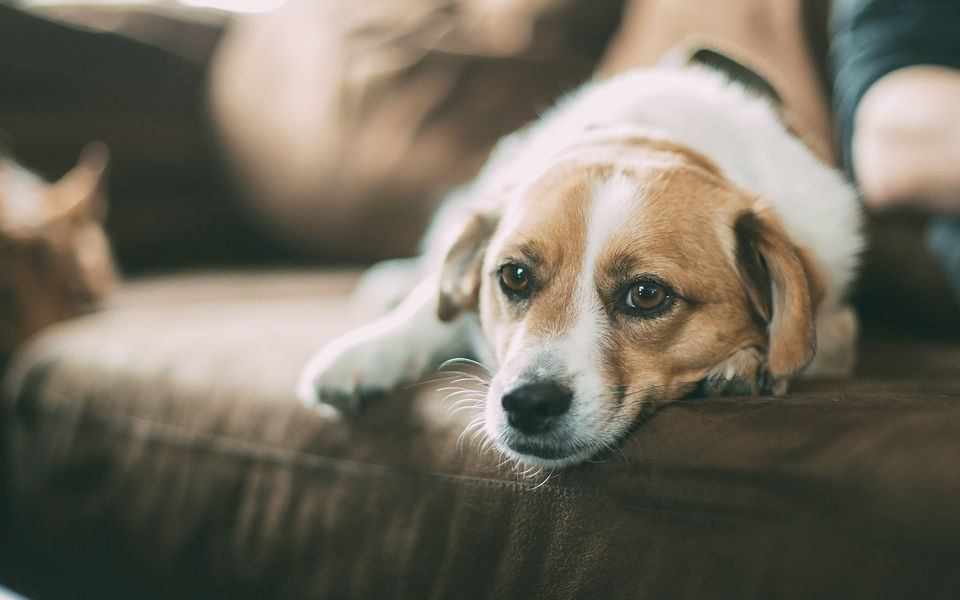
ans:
x=456 y=411
x=456 y=401
x=530 y=474
x=479 y=440
x=476 y=423
x=473 y=401
x=486 y=444
x=658 y=387
x=473 y=383
x=452 y=413
x=467 y=393
x=527 y=471
x=456 y=389
x=476 y=401
x=473 y=379
x=465 y=406
x=462 y=402
x=455 y=372
x=544 y=481
x=470 y=428
x=460 y=440
x=462 y=372
x=474 y=427
x=466 y=361
x=438 y=375
x=430 y=380
x=477 y=376
x=450 y=375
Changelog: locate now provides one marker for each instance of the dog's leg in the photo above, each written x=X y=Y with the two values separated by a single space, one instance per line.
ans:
x=836 y=343
x=384 y=286
x=397 y=348
x=743 y=373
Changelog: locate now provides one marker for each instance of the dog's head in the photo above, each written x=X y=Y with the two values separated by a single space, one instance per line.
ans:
x=626 y=276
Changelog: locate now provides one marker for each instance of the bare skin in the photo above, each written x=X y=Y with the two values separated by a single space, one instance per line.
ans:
x=906 y=143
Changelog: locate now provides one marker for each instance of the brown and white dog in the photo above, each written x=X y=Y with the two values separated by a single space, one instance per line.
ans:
x=657 y=234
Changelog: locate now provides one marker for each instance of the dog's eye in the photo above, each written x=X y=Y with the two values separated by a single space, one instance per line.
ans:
x=646 y=296
x=514 y=279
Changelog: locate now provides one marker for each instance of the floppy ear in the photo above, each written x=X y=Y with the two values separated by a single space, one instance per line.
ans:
x=784 y=289
x=460 y=273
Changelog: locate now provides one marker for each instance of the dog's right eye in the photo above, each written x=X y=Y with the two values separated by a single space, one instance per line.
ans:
x=514 y=280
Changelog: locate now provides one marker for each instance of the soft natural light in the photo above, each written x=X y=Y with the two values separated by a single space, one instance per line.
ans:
x=245 y=6
x=241 y=6
x=8 y=595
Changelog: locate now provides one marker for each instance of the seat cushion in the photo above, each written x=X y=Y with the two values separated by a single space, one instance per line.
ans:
x=156 y=449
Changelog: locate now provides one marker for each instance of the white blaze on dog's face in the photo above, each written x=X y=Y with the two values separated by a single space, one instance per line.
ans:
x=617 y=281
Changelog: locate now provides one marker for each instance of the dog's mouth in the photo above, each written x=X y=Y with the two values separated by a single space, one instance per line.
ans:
x=561 y=453
x=542 y=451
x=564 y=448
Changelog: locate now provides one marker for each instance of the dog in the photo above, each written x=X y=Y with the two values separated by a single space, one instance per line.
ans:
x=654 y=235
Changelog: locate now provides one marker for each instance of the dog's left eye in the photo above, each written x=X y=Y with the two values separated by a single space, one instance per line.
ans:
x=646 y=297
x=514 y=279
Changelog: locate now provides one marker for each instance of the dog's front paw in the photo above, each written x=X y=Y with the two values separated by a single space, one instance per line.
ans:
x=356 y=370
x=743 y=373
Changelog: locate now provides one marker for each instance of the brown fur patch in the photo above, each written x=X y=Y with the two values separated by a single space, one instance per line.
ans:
x=558 y=228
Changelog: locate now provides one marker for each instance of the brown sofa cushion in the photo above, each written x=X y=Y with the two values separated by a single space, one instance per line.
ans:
x=156 y=450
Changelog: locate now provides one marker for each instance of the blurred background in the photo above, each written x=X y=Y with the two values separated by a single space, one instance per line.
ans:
x=263 y=132
x=243 y=132
x=133 y=75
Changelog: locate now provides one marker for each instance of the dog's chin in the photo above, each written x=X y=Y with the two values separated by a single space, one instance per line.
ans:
x=540 y=454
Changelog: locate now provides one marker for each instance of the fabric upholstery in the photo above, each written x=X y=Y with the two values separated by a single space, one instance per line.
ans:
x=155 y=449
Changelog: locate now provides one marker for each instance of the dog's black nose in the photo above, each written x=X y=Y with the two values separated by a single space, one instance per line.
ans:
x=531 y=408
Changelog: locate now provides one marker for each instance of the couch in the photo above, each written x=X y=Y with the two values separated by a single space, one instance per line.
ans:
x=155 y=449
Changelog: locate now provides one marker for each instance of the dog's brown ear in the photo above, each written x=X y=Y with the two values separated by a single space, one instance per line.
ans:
x=460 y=274
x=784 y=289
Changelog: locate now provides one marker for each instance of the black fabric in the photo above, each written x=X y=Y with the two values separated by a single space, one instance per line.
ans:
x=870 y=38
